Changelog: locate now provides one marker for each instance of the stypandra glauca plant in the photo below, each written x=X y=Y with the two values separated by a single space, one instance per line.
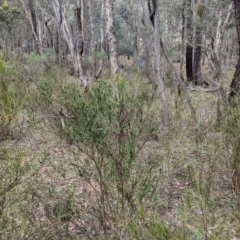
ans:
x=110 y=124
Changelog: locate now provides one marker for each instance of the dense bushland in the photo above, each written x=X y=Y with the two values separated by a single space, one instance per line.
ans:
x=98 y=164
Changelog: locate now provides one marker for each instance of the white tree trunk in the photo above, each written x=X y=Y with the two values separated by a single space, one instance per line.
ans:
x=222 y=23
x=215 y=58
x=92 y=40
x=183 y=33
x=112 y=38
x=161 y=88
x=102 y=21
x=59 y=10
x=147 y=36
x=215 y=54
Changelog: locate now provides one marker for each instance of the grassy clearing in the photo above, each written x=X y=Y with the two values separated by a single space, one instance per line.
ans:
x=113 y=171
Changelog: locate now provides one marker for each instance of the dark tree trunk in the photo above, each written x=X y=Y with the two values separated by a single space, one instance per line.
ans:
x=135 y=40
x=189 y=54
x=80 y=30
x=189 y=48
x=197 y=76
x=235 y=85
x=56 y=45
x=33 y=14
x=80 y=37
x=183 y=33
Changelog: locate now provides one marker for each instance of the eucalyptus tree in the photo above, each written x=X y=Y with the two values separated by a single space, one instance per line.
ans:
x=155 y=19
x=101 y=38
x=223 y=17
x=189 y=48
x=147 y=32
x=10 y=19
x=92 y=36
x=235 y=84
x=59 y=8
x=34 y=23
x=132 y=20
x=197 y=54
x=112 y=41
x=195 y=9
x=95 y=25
x=183 y=36
x=125 y=28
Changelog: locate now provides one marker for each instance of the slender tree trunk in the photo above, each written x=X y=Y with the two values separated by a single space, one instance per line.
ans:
x=112 y=39
x=215 y=54
x=189 y=48
x=147 y=39
x=135 y=40
x=33 y=25
x=31 y=4
x=161 y=88
x=204 y=55
x=59 y=11
x=81 y=44
x=197 y=52
x=231 y=53
x=80 y=36
x=183 y=37
x=214 y=57
x=85 y=48
x=235 y=84
x=92 y=39
x=91 y=20
x=197 y=75
x=101 y=39
x=233 y=97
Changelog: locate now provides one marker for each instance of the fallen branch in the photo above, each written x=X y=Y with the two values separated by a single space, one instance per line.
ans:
x=203 y=89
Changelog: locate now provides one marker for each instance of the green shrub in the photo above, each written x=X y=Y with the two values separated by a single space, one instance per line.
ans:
x=110 y=124
x=231 y=129
x=10 y=100
x=12 y=165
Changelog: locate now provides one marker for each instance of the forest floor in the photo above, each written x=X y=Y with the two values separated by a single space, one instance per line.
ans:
x=193 y=159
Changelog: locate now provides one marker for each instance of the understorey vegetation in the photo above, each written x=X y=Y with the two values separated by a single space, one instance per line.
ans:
x=119 y=119
x=99 y=163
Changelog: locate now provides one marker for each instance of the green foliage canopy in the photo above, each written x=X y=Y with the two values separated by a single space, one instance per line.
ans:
x=9 y=16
